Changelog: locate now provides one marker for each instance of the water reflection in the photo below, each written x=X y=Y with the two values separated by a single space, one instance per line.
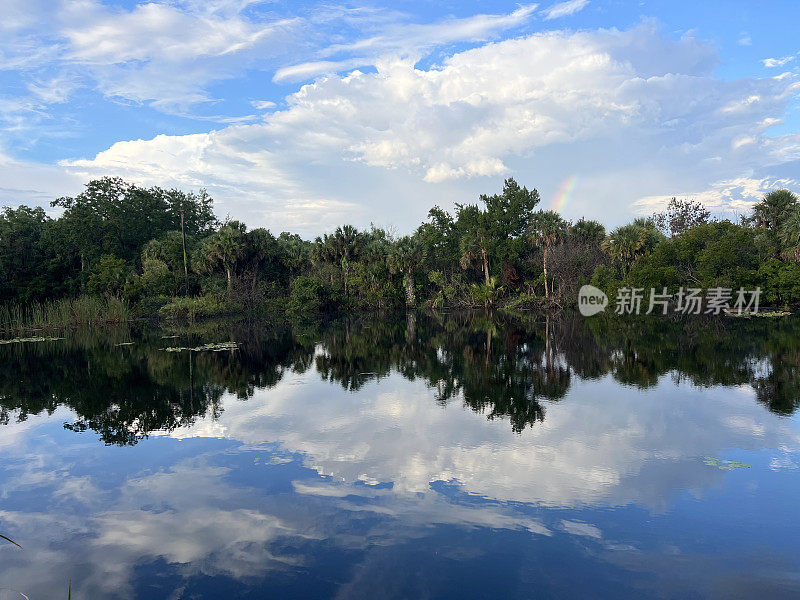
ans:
x=498 y=367
x=457 y=457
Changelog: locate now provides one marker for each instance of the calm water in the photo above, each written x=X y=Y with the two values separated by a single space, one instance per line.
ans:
x=462 y=457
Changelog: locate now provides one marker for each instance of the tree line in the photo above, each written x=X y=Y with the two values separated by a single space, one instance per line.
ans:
x=166 y=251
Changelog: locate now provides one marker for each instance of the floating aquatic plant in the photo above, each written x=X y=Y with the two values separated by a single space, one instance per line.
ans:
x=30 y=339
x=220 y=347
x=124 y=344
x=725 y=465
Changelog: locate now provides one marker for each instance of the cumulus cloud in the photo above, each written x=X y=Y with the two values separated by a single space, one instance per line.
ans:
x=729 y=198
x=634 y=113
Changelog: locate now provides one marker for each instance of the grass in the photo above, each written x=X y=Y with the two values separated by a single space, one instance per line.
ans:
x=189 y=309
x=65 y=313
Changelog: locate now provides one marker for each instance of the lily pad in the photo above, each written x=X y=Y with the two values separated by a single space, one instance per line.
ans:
x=725 y=465
x=30 y=340
x=220 y=347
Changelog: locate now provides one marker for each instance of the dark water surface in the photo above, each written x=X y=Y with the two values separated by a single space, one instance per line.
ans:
x=453 y=457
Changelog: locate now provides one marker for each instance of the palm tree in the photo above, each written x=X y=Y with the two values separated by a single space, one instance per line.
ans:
x=347 y=243
x=628 y=242
x=588 y=232
x=773 y=210
x=487 y=292
x=225 y=248
x=405 y=257
x=790 y=235
x=546 y=229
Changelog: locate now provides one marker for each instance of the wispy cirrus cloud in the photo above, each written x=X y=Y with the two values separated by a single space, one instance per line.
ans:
x=564 y=9
x=406 y=40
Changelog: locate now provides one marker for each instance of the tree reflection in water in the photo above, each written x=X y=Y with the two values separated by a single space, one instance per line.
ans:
x=499 y=366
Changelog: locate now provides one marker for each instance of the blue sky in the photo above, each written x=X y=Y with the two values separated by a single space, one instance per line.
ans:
x=304 y=115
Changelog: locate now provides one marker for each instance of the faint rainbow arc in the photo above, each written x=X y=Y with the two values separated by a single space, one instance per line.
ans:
x=564 y=194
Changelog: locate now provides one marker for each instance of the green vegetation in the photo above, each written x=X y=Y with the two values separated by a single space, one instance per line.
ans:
x=120 y=251
x=65 y=313
x=725 y=465
x=217 y=347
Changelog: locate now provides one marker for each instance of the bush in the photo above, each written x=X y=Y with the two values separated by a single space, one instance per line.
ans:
x=308 y=295
x=189 y=309
x=108 y=276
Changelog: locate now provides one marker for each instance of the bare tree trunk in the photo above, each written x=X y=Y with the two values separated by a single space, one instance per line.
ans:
x=408 y=280
x=547 y=352
x=485 y=265
x=411 y=327
x=546 y=289
x=185 y=262
x=230 y=281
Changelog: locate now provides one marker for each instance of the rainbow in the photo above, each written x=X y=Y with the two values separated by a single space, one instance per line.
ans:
x=564 y=194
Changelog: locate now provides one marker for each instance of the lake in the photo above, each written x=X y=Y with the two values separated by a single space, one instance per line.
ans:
x=458 y=456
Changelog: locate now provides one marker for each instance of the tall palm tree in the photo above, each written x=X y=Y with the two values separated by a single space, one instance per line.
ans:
x=628 y=242
x=347 y=242
x=773 y=209
x=588 y=232
x=225 y=248
x=546 y=229
x=790 y=235
x=405 y=257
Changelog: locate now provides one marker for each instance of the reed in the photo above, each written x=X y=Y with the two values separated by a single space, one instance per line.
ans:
x=65 y=313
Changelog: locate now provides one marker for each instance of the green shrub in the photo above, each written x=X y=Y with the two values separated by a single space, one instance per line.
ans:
x=189 y=309
x=308 y=295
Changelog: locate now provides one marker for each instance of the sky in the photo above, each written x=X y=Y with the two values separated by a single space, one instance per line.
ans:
x=303 y=116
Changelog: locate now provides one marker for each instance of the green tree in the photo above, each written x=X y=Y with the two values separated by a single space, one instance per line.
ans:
x=24 y=268
x=224 y=249
x=109 y=275
x=546 y=229
x=628 y=242
x=440 y=239
x=405 y=257
x=773 y=209
x=494 y=235
x=587 y=232
x=680 y=216
x=790 y=235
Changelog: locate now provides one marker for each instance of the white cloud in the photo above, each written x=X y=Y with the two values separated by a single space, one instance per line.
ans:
x=34 y=184
x=263 y=104
x=728 y=198
x=635 y=114
x=404 y=41
x=777 y=62
x=564 y=9
x=163 y=53
x=745 y=39
x=392 y=432
x=101 y=529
